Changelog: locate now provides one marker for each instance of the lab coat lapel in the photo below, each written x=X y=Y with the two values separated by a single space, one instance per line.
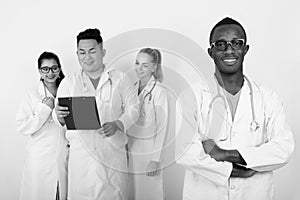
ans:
x=229 y=114
x=104 y=78
x=87 y=82
x=215 y=90
x=42 y=91
x=244 y=104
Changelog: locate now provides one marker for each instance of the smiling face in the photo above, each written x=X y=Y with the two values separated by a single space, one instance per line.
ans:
x=228 y=61
x=90 y=55
x=144 y=66
x=49 y=76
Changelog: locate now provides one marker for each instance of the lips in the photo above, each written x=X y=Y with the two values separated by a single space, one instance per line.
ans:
x=51 y=77
x=140 y=73
x=229 y=60
x=89 y=62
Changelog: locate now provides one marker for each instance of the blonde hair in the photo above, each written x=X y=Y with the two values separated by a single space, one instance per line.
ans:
x=156 y=56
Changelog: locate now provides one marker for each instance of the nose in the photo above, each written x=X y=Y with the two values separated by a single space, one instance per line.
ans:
x=87 y=55
x=229 y=49
x=138 y=67
x=50 y=71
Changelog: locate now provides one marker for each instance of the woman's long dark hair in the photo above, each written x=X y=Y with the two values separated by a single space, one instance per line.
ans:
x=50 y=55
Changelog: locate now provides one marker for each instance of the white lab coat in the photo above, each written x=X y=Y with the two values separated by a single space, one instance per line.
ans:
x=264 y=151
x=97 y=165
x=146 y=140
x=46 y=151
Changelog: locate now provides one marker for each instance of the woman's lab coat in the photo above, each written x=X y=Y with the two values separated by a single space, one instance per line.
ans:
x=146 y=140
x=265 y=150
x=98 y=166
x=46 y=151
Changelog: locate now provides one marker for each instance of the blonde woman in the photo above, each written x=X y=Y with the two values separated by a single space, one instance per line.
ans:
x=147 y=135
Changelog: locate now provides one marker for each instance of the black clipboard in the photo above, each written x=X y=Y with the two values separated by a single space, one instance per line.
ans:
x=83 y=113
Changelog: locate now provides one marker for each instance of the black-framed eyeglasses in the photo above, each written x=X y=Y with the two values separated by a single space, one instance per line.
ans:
x=236 y=44
x=46 y=70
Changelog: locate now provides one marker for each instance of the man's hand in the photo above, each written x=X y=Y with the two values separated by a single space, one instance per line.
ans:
x=211 y=148
x=153 y=168
x=109 y=128
x=61 y=112
x=241 y=172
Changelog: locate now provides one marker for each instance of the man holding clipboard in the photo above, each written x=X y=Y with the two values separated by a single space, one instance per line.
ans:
x=97 y=161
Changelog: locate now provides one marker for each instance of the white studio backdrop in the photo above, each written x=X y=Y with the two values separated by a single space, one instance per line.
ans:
x=30 y=27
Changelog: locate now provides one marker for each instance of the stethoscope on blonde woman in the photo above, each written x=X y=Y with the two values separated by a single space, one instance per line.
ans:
x=142 y=111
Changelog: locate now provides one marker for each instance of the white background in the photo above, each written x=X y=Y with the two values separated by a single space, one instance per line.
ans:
x=30 y=27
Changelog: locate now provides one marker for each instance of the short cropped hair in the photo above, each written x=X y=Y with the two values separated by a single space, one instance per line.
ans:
x=90 y=34
x=226 y=21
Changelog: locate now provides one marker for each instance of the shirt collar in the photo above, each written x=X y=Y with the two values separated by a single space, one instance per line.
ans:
x=105 y=76
x=212 y=83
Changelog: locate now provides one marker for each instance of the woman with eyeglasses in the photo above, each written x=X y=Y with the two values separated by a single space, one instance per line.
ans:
x=147 y=135
x=45 y=171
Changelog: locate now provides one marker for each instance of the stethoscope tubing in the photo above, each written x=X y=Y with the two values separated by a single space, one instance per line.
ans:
x=143 y=114
x=254 y=125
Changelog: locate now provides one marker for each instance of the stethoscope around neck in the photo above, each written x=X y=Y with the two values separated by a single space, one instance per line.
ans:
x=142 y=112
x=85 y=88
x=45 y=88
x=254 y=125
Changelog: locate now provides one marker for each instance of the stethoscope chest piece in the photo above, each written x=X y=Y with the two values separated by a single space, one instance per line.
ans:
x=254 y=126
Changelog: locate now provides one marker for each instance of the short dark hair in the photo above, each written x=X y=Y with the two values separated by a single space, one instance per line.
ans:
x=47 y=56
x=90 y=34
x=226 y=21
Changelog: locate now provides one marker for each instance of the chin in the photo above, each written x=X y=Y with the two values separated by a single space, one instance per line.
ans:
x=229 y=69
x=140 y=76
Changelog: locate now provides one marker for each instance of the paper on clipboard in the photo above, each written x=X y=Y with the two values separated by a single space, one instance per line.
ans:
x=83 y=113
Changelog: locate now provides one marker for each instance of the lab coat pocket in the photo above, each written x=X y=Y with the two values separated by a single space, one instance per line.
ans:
x=260 y=135
x=119 y=139
x=147 y=115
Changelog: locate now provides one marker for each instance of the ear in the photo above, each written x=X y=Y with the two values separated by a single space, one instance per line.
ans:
x=246 y=49
x=103 y=52
x=209 y=51
x=154 y=68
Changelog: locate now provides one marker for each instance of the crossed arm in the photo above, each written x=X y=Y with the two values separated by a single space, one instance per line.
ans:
x=205 y=158
x=233 y=156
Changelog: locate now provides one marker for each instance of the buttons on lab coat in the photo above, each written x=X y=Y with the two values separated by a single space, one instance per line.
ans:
x=232 y=187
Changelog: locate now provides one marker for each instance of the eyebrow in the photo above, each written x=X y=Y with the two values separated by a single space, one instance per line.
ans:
x=49 y=67
x=82 y=49
x=235 y=38
x=144 y=62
